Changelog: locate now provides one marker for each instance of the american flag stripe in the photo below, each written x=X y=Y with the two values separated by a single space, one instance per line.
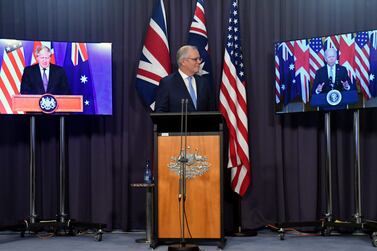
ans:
x=10 y=80
x=230 y=93
x=12 y=67
x=233 y=106
x=362 y=54
x=277 y=79
x=16 y=71
x=5 y=99
x=316 y=56
x=316 y=62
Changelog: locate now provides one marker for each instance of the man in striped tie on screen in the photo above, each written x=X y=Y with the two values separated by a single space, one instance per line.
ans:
x=44 y=77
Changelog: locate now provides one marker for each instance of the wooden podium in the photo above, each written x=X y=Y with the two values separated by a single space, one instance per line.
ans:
x=204 y=184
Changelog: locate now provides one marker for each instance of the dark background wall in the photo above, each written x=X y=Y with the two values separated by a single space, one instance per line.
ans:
x=106 y=154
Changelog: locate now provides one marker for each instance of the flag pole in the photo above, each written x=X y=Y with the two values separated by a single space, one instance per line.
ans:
x=240 y=231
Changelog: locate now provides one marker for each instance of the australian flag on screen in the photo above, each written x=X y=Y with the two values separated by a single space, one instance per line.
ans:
x=288 y=85
x=76 y=64
x=373 y=64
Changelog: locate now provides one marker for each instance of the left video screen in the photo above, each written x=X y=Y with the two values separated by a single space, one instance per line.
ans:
x=50 y=77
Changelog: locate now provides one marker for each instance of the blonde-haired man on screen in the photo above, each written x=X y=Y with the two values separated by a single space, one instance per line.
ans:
x=44 y=77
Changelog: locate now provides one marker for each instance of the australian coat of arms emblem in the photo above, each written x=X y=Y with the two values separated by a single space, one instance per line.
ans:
x=196 y=164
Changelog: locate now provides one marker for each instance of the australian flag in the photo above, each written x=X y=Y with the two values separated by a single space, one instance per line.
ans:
x=154 y=61
x=198 y=37
x=288 y=86
x=373 y=64
x=76 y=64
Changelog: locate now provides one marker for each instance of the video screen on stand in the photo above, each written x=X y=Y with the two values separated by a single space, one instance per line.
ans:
x=325 y=73
x=47 y=77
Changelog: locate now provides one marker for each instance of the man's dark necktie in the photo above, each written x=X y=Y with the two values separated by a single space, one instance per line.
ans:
x=44 y=79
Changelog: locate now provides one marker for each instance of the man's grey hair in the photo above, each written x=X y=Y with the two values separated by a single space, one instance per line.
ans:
x=40 y=48
x=183 y=52
x=329 y=50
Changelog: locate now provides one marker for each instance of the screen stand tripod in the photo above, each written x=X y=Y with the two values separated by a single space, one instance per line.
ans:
x=183 y=245
x=62 y=225
x=328 y=224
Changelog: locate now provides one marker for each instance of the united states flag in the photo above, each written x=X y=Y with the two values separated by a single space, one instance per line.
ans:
x=362 y=62
x=277 y=75
x=155 y=59
x=198 y=37
x=12 y=68
x=233 y=105
x=316 y=58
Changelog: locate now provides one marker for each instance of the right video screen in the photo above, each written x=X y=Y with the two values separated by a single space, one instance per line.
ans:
x=326 y=73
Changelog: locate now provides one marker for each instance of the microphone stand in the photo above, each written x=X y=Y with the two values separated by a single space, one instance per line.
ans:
x=183 y=246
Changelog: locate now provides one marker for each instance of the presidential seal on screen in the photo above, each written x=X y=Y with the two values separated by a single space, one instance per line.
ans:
x=48 y=103
x=334 y=97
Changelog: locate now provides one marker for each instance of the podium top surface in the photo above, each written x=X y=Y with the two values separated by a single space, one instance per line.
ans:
x=196 y=121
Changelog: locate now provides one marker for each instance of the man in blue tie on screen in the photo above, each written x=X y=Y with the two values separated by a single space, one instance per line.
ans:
x=331 y=76
x=185 y=84
x=44 y=77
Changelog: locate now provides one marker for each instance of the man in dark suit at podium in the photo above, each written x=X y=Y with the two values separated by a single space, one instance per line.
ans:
x=185 y=84
x=331 y=76
x=44 y=77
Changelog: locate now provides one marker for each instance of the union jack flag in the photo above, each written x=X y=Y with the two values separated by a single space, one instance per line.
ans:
x=12 y=68
x=198 y=37
x=155 y=59
x=347 y=54
x=233 y=105
x=301 y=53
x=362 y=62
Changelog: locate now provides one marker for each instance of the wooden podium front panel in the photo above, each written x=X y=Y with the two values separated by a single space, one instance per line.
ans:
x=30 y=103
x=203 y=205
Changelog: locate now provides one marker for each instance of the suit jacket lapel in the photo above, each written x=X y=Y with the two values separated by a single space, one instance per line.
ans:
x=38 y=77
